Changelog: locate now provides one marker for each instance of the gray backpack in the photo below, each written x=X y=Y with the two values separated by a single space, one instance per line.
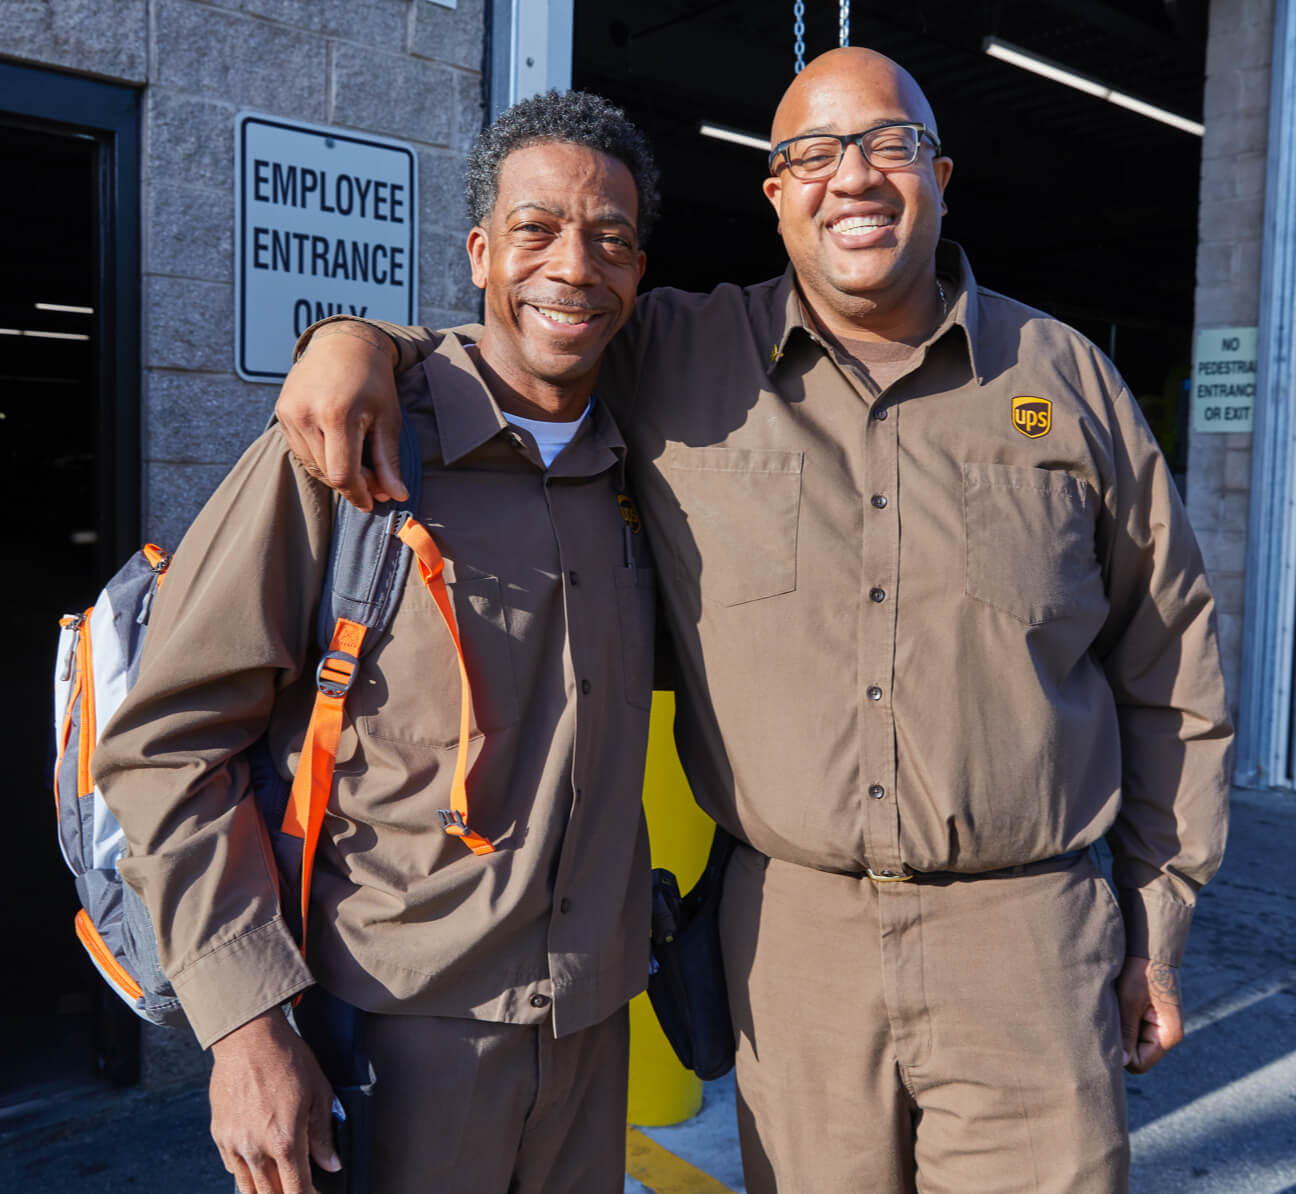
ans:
x=98 y=663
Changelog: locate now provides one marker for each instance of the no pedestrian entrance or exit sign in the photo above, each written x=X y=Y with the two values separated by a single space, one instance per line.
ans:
x=1224 y=377
x=326 y=223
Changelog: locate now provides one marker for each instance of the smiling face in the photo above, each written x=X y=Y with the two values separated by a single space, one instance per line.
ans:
x=863 y=241
x=559 y=260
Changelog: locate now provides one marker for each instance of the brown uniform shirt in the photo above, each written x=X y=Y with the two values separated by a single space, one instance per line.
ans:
x=554 y=601
x=960 y=624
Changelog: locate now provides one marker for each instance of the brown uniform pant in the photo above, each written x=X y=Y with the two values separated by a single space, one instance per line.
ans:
x=474 y=1107
x=946 y=1035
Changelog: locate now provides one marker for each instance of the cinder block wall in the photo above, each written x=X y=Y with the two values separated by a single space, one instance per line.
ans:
x=1231 y=224
x=409 y=69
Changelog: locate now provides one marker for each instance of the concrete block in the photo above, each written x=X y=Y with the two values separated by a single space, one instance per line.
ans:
x=1206 y=457
x=373 y=22
x=456 y=36
x=1231 y=218
x=1249 y=171
x=444 y=273
x=470 y=110
x=188 y=324
x=1219 y=180
x=1229 y=551
x=441 y=192
x=1220 y=97
x=1230 y=593
x=1214 y=259
x=174 y=495
x=101 y=37
x=1230 y=135
x=1234 y=514
x=1237 y=467
x=245 y=62
x=1230 y=641
x=190 y=139
x=202 y=418
x=1253 y=90
x=189 y=232
x=393 y=94
x=1232 y=45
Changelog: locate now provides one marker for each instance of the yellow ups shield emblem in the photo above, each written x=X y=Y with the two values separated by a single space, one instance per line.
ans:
x=1032 y=416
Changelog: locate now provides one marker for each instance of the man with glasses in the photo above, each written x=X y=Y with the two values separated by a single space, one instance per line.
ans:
x=941 y=625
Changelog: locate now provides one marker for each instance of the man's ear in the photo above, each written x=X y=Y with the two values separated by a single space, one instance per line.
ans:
x=643 y=264
x=479 y=256
x=773 y=188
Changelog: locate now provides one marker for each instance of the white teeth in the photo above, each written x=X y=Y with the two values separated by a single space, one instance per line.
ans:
x=556 y=316
x=860 y=223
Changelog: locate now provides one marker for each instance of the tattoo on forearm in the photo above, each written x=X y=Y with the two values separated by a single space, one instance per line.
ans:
x=1163 y=980
x=361 y=331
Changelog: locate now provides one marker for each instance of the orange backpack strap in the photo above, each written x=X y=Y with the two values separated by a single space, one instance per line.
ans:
x=313 y=782
x=454 y=820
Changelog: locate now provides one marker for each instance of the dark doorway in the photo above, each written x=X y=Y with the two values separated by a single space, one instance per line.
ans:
x=68 y=485
x=1061 y=199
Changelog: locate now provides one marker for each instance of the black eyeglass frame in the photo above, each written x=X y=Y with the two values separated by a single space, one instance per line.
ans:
x=847 y=139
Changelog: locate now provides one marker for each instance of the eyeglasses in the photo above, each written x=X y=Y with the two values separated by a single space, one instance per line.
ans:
x=817 y=155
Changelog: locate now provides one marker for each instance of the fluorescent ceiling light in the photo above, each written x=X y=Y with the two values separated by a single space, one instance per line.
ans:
x=45 y=335
x=737 y=136
x=1060 y=74
x=62 y=307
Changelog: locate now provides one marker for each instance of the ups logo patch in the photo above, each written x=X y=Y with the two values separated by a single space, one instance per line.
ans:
x=1032 y=416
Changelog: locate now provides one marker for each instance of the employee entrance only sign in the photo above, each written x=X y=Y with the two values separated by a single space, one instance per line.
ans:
x=326 y=223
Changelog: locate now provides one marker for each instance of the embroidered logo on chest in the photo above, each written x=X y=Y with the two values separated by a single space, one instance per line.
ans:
x=1032 y=416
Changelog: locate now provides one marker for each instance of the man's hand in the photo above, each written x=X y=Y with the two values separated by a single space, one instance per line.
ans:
x=270 y=1105
x=342 y=391
x=1150 y=1011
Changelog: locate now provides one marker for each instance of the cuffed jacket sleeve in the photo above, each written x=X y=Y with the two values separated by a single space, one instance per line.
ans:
x=1161 y=655
x=232 y=626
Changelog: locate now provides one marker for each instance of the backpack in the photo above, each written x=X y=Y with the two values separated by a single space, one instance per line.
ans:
x=97 y=664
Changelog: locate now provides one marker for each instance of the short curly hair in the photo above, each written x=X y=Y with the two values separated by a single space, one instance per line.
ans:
x=574 y=117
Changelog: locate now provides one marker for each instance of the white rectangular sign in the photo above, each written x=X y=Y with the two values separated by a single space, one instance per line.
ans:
x=326 y=222
x=1224 y=377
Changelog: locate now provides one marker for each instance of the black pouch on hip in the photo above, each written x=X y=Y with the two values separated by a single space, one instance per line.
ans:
x=335 y=1032
x=686 y=982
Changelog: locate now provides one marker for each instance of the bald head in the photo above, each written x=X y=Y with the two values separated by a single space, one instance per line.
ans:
x=840 y=76
x=863 y=239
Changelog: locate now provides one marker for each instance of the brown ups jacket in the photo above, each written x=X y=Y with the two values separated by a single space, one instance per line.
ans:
x=554 y=601
x=957 y=625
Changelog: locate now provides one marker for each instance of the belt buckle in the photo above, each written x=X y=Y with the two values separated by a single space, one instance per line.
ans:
x=888 y=876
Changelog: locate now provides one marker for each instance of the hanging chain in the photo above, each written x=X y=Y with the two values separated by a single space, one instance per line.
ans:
x=798 y=33
x=844 y=22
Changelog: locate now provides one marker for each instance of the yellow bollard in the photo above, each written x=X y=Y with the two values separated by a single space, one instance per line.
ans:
x=661 y=1090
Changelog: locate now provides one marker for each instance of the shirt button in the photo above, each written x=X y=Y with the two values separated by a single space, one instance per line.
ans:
x=877 y=595
x=880 y=413
x=539 y=1000
x=564 y=905
x=879 y=500
x=574 y=577
x=585 y=687
x=875 y=693
x=877 y=791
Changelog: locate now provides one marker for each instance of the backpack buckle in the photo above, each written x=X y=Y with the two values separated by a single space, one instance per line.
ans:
x=452 y=821
x=336 y=671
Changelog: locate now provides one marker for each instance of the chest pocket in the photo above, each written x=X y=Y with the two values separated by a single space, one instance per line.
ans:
x=741 y=507
x=413 y=677
x=1030 y=541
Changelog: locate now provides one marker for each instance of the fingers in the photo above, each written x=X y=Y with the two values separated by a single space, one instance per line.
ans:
x=384 y=446
x=342 y=462
x=320 y=1135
